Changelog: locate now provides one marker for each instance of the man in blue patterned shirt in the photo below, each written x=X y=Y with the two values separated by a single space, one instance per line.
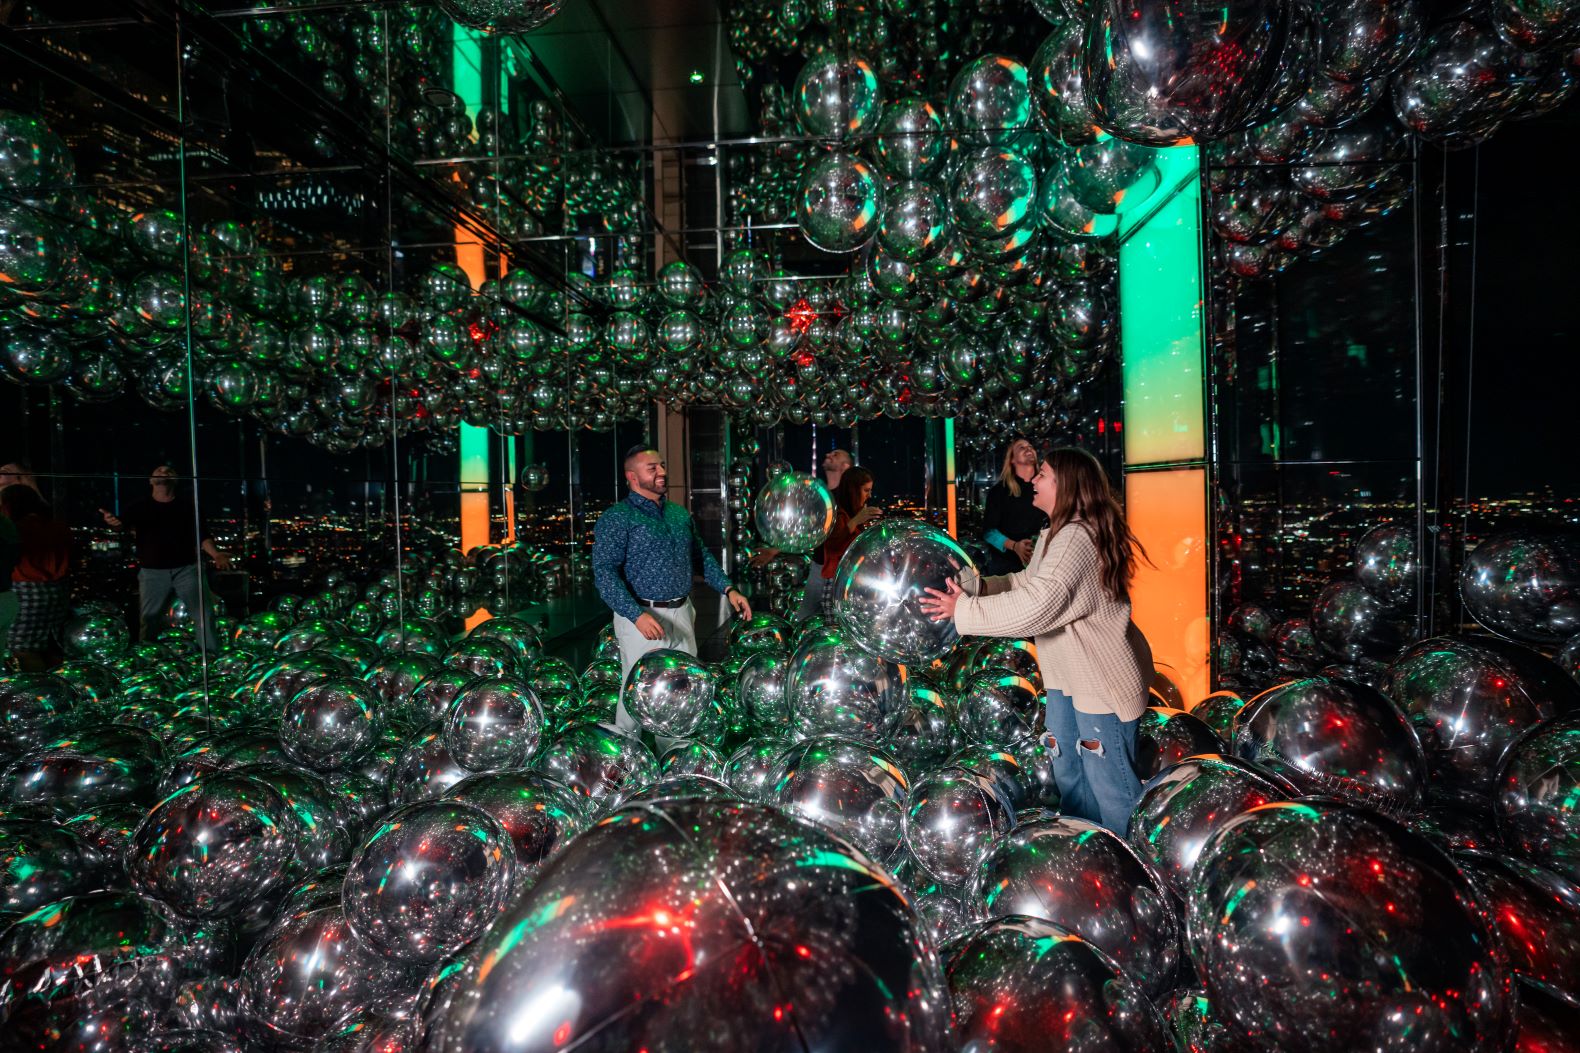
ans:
x=644 y=550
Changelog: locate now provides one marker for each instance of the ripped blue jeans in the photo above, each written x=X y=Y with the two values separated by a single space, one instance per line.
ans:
x=1094 y=763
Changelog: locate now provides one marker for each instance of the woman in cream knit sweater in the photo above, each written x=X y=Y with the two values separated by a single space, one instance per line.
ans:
x=1074 y=599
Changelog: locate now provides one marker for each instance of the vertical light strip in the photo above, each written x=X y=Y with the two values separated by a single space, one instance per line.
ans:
x=949 y=473
x=1163 y=347
x=467 y=81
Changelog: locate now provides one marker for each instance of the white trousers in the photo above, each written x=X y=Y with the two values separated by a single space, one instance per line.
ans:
x=680 y=634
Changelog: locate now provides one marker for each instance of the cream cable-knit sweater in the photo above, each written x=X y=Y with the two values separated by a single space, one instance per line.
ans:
x=1087 y=646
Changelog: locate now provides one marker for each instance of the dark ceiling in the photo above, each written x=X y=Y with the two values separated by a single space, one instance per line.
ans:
x=625 y=68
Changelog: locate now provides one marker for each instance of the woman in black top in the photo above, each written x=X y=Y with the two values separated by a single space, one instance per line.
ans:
x=1011 y=523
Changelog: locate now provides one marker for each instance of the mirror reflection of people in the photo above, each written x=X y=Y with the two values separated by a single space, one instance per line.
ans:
x=853 y=511
x=18 y=473
x=1074 y=598
x=1011 y=520
x=835 y=463
x=10 y=549
x=169 y=539
x=644 y=551
x=39 y=579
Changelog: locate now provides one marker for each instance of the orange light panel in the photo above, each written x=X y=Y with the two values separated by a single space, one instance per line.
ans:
x=1168 y=513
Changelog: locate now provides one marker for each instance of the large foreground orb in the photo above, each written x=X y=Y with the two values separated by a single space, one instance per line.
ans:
x=690 y=925
x=794 y=512
x=1317 y=924
x=881 y=581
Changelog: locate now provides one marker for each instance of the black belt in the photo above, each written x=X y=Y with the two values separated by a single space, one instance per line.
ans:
x=662 y=603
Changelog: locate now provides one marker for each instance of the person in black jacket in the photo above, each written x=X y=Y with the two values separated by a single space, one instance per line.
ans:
x=170 y=546
x=1011 y=523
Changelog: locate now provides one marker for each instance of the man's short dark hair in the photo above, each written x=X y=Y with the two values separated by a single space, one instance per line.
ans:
x=635 y=452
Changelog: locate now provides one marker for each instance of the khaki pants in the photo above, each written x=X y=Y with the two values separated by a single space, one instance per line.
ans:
x=680 y=634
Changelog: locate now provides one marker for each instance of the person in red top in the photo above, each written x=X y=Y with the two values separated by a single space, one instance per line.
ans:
x=39 y=578
x=853 y=510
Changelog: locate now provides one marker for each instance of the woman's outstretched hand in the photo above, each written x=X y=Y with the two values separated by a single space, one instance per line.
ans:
x=940 y=603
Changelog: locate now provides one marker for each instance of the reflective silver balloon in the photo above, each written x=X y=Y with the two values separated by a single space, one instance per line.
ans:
x=1352 y=623
x=856 y=791
x=1167 y=736
x=835 y=687
x=34 y=707
x=1317 y=921
x=1000 y=709
x=41 y=862
x=1537 y=913
x=325 y=830
x=1088 y=880
x=1368 y=39
x=599 y=762
x=691 y=924
x=760 y=688
x=502 y=16
x=426 y=768
x=753 y=770
x=1023 y=984
x=952 y=819
x=429 y=880
x=990 y=100
x=1537 y=802
x=330 y=724
x=90 y=972
x=691 y=758
x=493 y=724
x=1334 y=736
x=915 y=222
x=669 y=692
x=427 y=703
x=98 y=767
x=1185 y=804
x=1058 y=87
x=911 y=138
x=840 y=201
x=1164 y=74
x=1462 y=82
x=837 y=94
x=1469 y=705
x=877 y=589
x=213 y=846
x=929 y=732
x=1525 y=586
x=793 y=513
x=308 y=973
x=993 y=192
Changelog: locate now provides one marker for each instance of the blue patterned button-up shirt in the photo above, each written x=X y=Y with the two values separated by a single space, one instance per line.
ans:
x=648 y=549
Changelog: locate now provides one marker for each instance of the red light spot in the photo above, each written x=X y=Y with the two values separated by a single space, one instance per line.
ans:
x=562 y=1034
x=803 y=951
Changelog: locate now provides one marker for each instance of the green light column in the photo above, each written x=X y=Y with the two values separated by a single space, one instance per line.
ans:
x=467 y=80
x=1163 y=348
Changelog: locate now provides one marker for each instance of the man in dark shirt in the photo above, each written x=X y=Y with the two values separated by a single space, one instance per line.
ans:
x=644 y=549
x=168 y=541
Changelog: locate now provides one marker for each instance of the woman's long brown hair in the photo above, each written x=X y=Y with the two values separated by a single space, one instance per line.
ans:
x=847 y=494
x=1084 y=494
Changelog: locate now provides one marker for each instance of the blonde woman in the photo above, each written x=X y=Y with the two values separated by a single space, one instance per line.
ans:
x=1074 y=598
x=1011 y=521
